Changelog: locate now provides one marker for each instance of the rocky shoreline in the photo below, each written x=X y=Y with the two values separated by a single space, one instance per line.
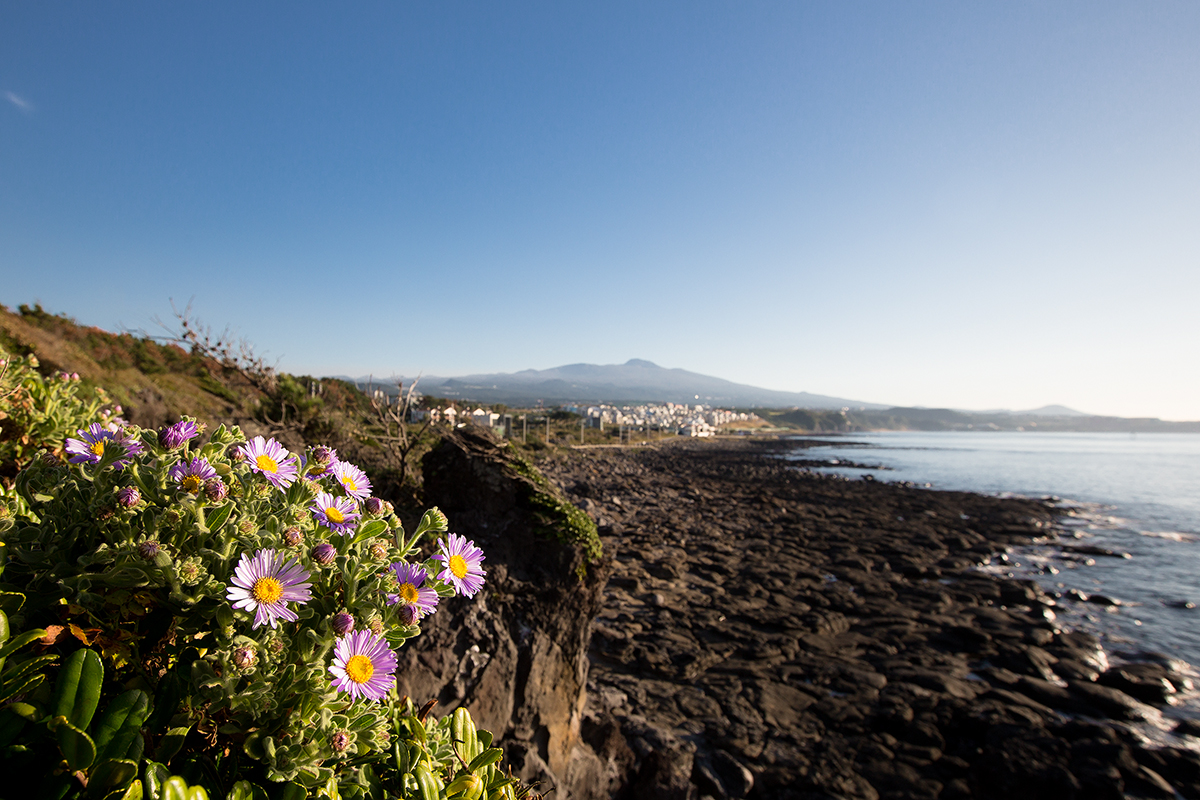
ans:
x=772 y=633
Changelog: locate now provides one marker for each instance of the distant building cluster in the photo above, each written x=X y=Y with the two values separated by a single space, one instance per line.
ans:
x=686 y=420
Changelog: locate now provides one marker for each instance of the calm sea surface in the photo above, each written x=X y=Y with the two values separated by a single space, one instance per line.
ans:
x=1135 y=493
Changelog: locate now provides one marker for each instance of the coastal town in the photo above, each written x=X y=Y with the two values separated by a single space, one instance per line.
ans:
x=682 y=419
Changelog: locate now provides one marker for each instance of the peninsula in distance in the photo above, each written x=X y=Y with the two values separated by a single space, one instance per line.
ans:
x=640 y=381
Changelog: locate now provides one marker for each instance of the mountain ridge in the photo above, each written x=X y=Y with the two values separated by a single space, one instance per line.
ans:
x=641 y=380
x=637 y=380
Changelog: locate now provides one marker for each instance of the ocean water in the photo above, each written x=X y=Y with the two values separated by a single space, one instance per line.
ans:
x=1138 y=494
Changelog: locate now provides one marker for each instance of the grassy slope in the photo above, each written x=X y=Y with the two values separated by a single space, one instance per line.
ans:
x=154 y=383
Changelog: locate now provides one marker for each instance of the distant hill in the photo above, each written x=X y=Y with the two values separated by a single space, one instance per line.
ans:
x=1044 y=411
x=945 y=419
x=637 y=380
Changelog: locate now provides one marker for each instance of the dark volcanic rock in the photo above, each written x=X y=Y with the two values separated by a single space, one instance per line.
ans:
x=771 y=633
x=516 y=654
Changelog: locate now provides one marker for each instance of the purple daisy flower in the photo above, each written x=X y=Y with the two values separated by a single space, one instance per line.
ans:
x=336 y=513
x=95 y=438
x=173 y=437
x=462 y=564
x=363 y=665
x=270 y=459
x=423 y=599
x=353 y=480
x=192 y=475
x=265 y=583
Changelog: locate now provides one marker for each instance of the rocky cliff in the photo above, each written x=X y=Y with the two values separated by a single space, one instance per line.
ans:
x=516 y=655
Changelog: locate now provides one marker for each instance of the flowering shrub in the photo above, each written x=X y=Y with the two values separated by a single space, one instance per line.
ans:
x=256 y=597
x=37 y=413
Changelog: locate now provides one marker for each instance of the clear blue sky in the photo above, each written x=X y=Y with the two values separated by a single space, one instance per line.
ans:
x=974 y=205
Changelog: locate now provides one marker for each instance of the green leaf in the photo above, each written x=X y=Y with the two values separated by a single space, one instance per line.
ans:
x=109 y=775
x=171 y=744
x=429 y=787
x=370 y=530
x=245 y=790
x=77 y=691
x=131 y=792
x=292 y=791
x=18 y=669
x=120 y=724
x=77 y=747
x=400 y=756
x=254 y=746
x=10 y=603
x=416 y=728
x=217 y=517
x=13 y=645
x=10 y=727
x=462 y=728
x=486 y=758
x=29 y=712
x=174 y=788
x=16 y=687
x=4 y=629
x=154 y=775
x=166 y=700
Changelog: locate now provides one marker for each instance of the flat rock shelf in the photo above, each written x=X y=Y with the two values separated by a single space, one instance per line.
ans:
x=767 y=632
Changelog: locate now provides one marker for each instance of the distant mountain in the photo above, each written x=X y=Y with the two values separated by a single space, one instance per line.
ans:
x=1052 y=411
x=637 y=380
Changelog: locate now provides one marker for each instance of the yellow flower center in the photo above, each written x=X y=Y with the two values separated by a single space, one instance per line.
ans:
x=191 y=484
x=97 y=448
x=350 y=485
x=359 y=668
x=266 y=463
x=408 y=593
x=267 y=590
x=333 y=515
x=458 y=566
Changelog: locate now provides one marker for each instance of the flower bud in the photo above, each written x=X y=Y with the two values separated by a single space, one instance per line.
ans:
x=173 y=437
x=324 y=554
x=215 y=490
x=373 y=506
x=376 y=625
x=381 y=737
x=439 y=519
x=245 y=657
x=408 y=615
x=105 y=513
x=129 y=496
x=342 y=623
x=148 y=549
x=340 y=742
x=378 y=550
x=293 y=537
x=189 y=571
x=323 y=456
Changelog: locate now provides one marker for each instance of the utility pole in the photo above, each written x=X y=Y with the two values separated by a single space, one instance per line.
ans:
x=524 y=428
